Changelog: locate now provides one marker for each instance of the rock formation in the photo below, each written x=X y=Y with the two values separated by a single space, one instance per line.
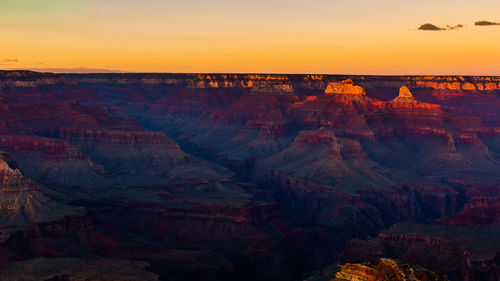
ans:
x=404 y=96
x=387 y=270
x=345 y=87
x=405 y=99
x=22 y=203
x=462 y=253
x=241 y=176
x=346 y=91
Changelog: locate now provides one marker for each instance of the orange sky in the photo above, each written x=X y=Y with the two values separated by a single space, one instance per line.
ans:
x=272 y=36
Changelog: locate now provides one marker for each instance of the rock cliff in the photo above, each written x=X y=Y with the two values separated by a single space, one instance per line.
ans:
x=387 y=270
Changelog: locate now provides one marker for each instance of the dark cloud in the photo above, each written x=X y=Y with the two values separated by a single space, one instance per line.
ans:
x=432 y=27
x=10 y=60
x=486 y=23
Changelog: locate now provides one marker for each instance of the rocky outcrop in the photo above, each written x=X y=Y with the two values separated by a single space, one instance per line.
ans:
x=479 y=211
x=315 y=137
x=386 y=270
x=346 y=91
x=345 y=87
x=405 y=99
x=22 y=202
x=459 y=83
x=272 y=89
x=28 y=217
x=462 y=253
x=51 y=160
x=333 y=161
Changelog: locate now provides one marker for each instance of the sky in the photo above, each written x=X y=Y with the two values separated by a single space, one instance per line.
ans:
x=257 y=36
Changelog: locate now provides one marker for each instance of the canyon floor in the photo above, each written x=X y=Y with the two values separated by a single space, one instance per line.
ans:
x=151 y=176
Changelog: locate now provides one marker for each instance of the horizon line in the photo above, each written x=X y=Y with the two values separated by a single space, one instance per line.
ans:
x=109 y=71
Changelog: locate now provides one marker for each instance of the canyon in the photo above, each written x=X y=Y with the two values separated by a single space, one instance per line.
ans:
x=249 y=176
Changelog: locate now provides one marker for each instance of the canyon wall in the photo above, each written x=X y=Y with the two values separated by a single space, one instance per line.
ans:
x=252 y=176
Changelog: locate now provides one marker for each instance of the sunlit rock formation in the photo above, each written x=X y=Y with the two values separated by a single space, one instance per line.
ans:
x=404 y=96
x=405 y=99
x=386 y=270
x=346 y=91
x=345 y=87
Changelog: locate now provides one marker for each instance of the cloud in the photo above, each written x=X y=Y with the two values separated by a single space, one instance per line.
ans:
x=75 y=70
x=486 y=23
x=432 y=27
x=448 y=27
x=10 y=60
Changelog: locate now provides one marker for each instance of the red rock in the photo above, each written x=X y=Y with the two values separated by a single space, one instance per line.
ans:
x=89 y=137
x=480 y=211
x=406 y=100
x=346 y=91
x=53 y=149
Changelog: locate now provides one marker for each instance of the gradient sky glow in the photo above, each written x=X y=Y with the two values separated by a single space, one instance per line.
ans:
x=272 y=36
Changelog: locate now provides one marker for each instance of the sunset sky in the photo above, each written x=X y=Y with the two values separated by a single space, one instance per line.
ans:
x=265 y=36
